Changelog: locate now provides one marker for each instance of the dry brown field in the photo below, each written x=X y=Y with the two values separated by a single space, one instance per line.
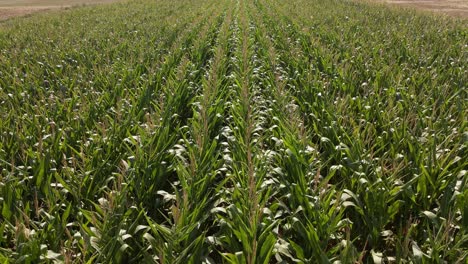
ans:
x=12 y=8
x=458 y=8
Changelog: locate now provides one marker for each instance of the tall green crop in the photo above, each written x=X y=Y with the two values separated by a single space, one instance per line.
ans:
x=233 y=132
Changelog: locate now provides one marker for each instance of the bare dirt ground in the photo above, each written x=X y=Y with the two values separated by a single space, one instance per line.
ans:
x=13 y=8
x=9 y=12
x=457 y=8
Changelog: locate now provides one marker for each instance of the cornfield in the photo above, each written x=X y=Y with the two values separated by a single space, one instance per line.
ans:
x=234 y=131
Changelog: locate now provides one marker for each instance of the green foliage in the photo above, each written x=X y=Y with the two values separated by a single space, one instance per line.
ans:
x=262 y=131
